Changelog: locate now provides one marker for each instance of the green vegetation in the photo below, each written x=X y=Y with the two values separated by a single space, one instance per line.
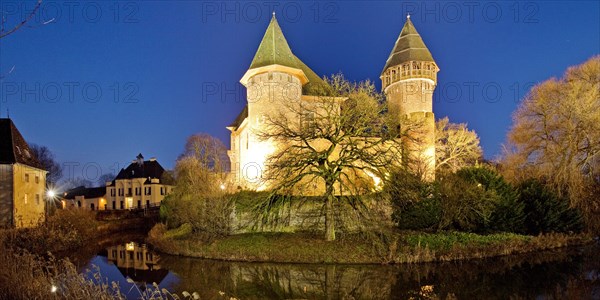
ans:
x=391 y=247
x=546 y=211
x=478 y=199
x=554 y=139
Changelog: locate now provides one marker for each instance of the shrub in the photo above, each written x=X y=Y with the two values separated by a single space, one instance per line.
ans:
x=546 y=211
x=412 y=202
x=66 y=229
x=209 y=216
x=508 y=214
x=424 y=214
x=466 y=206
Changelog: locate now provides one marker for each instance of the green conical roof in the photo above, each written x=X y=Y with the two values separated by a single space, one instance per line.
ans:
x=409 y=47
x=274 y=49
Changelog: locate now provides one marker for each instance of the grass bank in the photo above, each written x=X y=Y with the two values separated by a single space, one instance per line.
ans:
x=360 y=248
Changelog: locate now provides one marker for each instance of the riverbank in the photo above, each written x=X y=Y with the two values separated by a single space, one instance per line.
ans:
x=389 y=248
x=31 y=263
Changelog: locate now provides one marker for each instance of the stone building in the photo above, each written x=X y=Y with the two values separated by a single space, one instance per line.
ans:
x=277 y=76
x=22 y=180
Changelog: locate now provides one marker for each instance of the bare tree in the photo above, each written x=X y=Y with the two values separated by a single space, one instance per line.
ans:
x=104 y=178
x=556 y=135
x=46 y=158
x=456 y=146
x=333 y=146
x=75 y=183
x=5 y=32
x=198 y=195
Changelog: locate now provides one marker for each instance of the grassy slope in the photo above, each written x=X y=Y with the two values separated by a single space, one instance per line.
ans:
x=400 y=247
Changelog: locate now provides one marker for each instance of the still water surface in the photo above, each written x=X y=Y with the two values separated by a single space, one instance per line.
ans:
x=564 y=274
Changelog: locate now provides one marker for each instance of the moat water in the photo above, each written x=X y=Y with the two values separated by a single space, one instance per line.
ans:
x=561 y=274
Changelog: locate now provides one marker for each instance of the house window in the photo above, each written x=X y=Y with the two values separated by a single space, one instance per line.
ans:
x=112 y=192
x=26 y=177
x=114 y=206
x=147 y=203
x=37 y=199
x=139 y=203
x=92 y=206
x=37 y=179
x=122 y=207
x=129 y=192
x=162 y=190
x=78 y=203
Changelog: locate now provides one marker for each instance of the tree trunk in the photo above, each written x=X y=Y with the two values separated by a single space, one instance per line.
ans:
x=329 y=218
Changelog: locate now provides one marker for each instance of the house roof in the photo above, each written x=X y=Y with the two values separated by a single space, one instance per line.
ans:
x=275 y=50
x=141 y=169
x=408 y=47
x=14 y=148
x=87 y=193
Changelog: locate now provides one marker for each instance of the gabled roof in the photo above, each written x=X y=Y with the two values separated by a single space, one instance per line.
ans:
x=14 y=148
x=87 y=193
x=141 y=169
x=408 y=47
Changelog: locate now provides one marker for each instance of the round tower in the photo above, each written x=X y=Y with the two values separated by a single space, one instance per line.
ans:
x=408 y=81
x=273 y=81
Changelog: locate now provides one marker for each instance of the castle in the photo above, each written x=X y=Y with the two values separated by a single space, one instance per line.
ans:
x=277 y=76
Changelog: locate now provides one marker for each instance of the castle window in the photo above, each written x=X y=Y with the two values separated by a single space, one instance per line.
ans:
x=26 y=177
x=37 y=179
x=416 y=65
x=308 y=121
x=37 y=199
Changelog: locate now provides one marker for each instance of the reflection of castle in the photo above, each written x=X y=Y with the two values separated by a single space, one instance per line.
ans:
x=137 y=262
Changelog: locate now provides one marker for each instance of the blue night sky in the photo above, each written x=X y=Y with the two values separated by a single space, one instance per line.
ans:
x=106 y=80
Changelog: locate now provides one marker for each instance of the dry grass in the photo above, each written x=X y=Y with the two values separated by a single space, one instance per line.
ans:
x=30 y=271
x=66 y=229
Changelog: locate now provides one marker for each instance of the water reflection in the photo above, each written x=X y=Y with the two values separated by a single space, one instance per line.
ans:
x=135 y=261
x=565 y=274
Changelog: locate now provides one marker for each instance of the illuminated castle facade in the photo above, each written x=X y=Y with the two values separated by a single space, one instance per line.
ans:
x=277 y=77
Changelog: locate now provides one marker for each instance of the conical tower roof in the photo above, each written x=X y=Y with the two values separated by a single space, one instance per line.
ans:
x=409 y=47
x=274 y=49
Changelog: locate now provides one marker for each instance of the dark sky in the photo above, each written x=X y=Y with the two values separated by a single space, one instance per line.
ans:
x=104 y=80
